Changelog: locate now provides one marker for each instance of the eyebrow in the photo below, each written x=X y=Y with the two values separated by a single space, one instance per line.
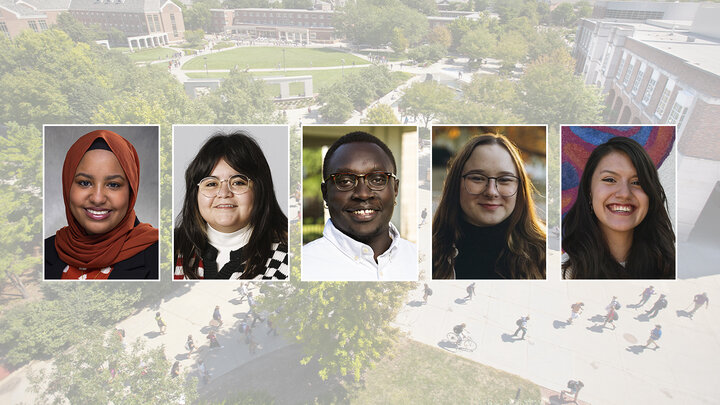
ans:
x=614 y=173
x=483 y=172
x=110 y=177
x=347 y=170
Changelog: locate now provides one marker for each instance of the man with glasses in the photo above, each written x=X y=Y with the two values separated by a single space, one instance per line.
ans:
x=359 y=243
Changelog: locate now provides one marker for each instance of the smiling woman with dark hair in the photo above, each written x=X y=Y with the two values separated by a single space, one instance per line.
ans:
x=359 y=242
x=619 y=227
x=231 y=225
x=104 y=239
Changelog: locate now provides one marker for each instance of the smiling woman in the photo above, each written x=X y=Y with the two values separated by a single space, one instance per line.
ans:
x=230 y=225
x=619 y=227
x=103 y=239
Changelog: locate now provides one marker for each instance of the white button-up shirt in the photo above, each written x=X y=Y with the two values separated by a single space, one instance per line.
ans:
x=337 y=257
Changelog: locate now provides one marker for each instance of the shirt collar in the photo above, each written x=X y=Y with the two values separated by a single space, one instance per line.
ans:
x=354 y=249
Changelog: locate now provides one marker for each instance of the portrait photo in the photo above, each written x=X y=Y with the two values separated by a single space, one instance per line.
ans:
x=230 y=202
x=618 y=202
x=489 y=202
x=101 y=202
x=360 y=203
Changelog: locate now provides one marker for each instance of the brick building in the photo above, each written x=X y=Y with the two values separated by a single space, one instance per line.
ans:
x=17 y=16
x=283 y=24
x=663 y=71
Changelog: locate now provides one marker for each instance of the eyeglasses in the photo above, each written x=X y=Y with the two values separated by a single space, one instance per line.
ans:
x=375 y=181
x=506 y=185
x=211 y=186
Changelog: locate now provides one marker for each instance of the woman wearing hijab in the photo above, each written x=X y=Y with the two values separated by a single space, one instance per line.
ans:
x=104 y=239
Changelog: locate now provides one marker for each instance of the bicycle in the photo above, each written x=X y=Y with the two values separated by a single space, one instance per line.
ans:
x=465 y=343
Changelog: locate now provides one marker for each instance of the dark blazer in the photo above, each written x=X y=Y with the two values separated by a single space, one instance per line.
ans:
x=142 y=266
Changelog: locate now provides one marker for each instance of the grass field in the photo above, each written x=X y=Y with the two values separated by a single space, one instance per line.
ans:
x=272 y=57
x=149 y=55
x=441 y=378
x=321 y=78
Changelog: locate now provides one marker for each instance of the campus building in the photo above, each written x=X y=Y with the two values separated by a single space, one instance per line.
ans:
x=298 y=25
x=145 y=23
x=36 y=15
x=663 y=70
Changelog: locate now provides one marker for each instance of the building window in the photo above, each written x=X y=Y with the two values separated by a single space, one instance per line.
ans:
x=664 y=98
x=621 y=66
x=157 y=22
x=677 y=114
x=174 y=26
x=606 y=62
x=43 y=25
x=638 y=79
x=4 y=29
x=650 y=87
x=629 y=72
x=33 y=25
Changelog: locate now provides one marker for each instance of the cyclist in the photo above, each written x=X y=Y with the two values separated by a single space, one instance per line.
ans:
x=459 y=331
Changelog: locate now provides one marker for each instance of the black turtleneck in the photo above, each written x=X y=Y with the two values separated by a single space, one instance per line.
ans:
x=479 y=249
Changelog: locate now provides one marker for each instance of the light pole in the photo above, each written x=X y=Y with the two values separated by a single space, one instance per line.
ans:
x=284 y=60
x=206 y=69
x=342 y=69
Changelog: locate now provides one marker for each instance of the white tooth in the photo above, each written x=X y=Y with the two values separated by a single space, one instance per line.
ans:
x=97 y=212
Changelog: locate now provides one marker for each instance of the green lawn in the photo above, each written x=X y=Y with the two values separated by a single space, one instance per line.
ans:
x=149 y=55
x=415 y=373
x=271 y=57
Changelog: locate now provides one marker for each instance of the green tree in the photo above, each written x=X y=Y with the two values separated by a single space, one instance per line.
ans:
x=563 y=15
x=477 y=43
x=241 y=98
x=398 y=42
x=511 y=48
x=195 y=38
x=427 y=53
x=344 y=327
x=427 y=7
x=371 y=22
x=553 y=94
x=336 y=107
x=380 y=114
x=440 y=35
x=427 y=100
x=491 y=90
x=78 y=31
x=102 y=371
x=303 y=4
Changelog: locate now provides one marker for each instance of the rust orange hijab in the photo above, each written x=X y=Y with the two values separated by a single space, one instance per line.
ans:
x=75 y=246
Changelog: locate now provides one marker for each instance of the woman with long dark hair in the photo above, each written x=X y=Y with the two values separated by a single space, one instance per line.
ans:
x=485 y=226
x=619 y=227
x=231 y=225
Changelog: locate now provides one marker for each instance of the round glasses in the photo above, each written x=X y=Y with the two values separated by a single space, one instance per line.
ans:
x=375 y=181
x=211 y=186
x=506 y=185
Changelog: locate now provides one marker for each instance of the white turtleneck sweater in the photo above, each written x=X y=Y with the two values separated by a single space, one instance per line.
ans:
x=226 y=242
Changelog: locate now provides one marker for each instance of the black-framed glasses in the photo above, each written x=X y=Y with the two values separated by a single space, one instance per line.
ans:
x=375 y=181
x=476 y=183
x=211 y=186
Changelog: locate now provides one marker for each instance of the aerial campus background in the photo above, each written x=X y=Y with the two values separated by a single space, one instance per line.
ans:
x=361 y=63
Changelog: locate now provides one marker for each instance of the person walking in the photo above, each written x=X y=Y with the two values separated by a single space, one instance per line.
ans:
x=655 y=335
x=216 y=316
x=175 y=370
x=271 y=327
x=470 y=291
x=202 y=370
x=657 y=306
x=213 y=340
x=426 y=293
x=575 y=311
x=699 y=300
x=645 y=296
x=574 y=388
x=243 y=291
x=423 y=216
x=251 y=300
x=160 y=323
x=189 y=344
x=522 y=326
x=612 y=315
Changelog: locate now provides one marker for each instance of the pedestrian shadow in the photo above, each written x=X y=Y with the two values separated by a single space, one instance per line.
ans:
x=633 y=306
x=681 y=313
x=597 y=318
x=236 y=301
x=555 y=400
x=182 y=356
x=560 y=324
x=597 y=328
x=415 y=303
x=240 y=315
x=508 y=338
x=643 y=318
x=636 y=349
x=152 y=335
x=206 y=329
x=461 y=301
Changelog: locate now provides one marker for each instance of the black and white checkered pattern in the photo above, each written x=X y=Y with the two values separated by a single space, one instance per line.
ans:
x=276 y=267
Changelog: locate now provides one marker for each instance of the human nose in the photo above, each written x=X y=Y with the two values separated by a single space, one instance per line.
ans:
x=623 y=190
x=97 y=195
x=362 y=190
x=224 y=190
x=490 y=190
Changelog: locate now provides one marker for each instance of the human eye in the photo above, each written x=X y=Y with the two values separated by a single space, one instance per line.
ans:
x=506 y=180
x=477 y=178
x=345 y=180
x=608 y=179
x=377 y=179
x=114 y=184
x=209 y=183
x=636 y=182
x=238 y=181
x=83 y=183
